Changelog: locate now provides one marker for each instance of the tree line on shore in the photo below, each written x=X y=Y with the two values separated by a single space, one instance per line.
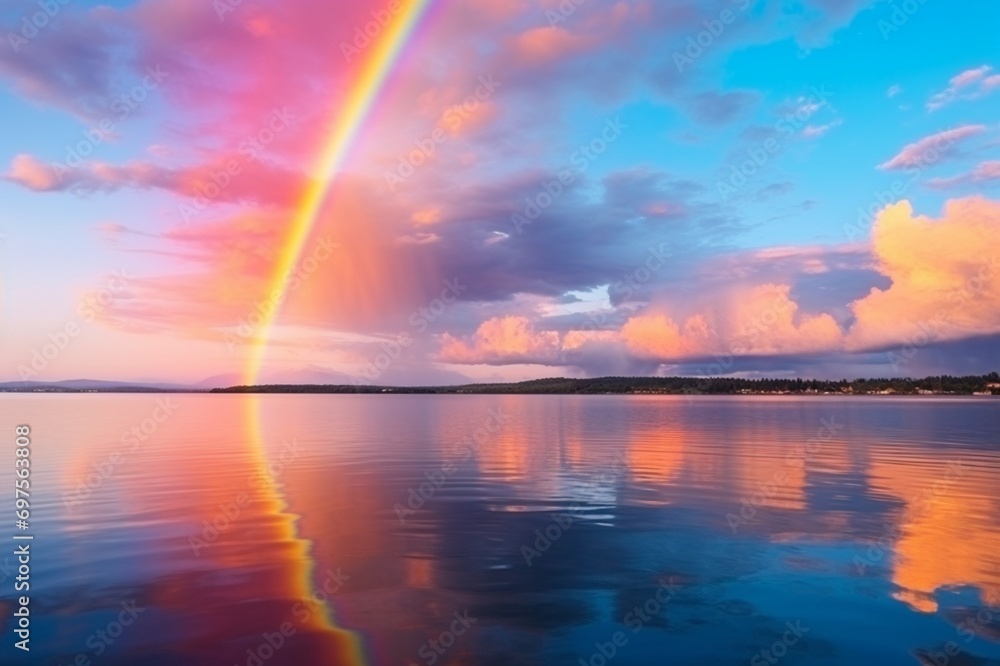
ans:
x=941 y=384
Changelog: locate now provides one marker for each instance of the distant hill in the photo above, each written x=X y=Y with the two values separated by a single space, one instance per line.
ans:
x=99 y=385
x=303 y=376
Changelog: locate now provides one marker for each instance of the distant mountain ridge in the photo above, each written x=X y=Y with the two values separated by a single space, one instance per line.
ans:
x=91 y=385
x=297 y=377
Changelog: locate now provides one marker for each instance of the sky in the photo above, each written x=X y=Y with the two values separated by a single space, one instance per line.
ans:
x=436 y=192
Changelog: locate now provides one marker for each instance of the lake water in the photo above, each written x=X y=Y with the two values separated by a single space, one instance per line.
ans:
x=389 y=529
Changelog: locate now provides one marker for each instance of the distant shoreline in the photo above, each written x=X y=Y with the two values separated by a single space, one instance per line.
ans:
x=984 y=385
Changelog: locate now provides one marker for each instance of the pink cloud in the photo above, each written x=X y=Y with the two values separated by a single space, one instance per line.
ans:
x=815 y=131
x=500 y=9
x=960 y=84
x=931 y=148
x=989 y=170
x=969 y=76
x=30 y=172
x=986 y=171
x=230 y=178
x=225 y=268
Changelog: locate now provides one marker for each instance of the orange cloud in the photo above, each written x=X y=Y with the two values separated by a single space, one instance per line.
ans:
x=464 y=118
x=578 y=339
x=763 y=321
x=944 y=275
x=501 y=340
x=547 y=44
x=768 y=322
x=658 y=336
x=945 y=285
x=427 y=215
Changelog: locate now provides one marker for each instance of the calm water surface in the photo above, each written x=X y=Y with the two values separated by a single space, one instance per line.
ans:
x=248 y=530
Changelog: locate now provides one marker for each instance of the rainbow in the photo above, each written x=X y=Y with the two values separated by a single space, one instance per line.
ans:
x=384 y=52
